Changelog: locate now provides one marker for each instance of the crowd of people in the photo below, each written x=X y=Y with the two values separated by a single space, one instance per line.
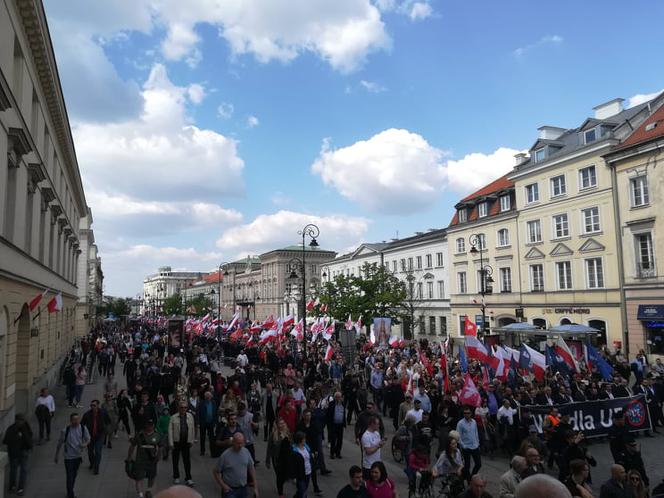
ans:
x=220 y=393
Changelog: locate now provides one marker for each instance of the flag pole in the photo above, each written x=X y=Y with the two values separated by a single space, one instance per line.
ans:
x=18 y=317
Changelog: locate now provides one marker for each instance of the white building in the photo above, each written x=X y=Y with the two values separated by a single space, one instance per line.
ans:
x=90 y=278
x=41 y=205
x=420 y=260
x=164 y=284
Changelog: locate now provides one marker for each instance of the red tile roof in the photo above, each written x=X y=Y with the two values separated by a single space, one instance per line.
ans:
x=501 y=183
x=641 y=135
x=211 y=278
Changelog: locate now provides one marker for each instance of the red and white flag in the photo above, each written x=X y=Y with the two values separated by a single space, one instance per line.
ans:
x=234 y=321
x=476 y=349
x=36 y=300
x=55 y=304
x=393 y=341
x=267 y=336
x=311 y=304
x=358 y=325
x=288 y=321
x=269 y=322
x=349 y=323
x=443 y=366
x=470 y=328
x=469 y=394
x=298 y=331
x=329 y=330
x=329 y=353
x=323 y=308
x=537 y=362
x=562 y=349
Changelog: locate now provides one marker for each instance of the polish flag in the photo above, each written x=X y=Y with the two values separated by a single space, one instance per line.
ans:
x=289 y=321
x=476 y=349
x=251 y=341
x=503 y=365
x=469 y=394
x=267 y=336
x=298 y=331
x=349 y=323
x=470 y=328
x=329 y=330
x=55 y=304
x=393 y=341
x=323 y=308
x=311 y=304
x=256 y=327
x=36 y=300
x=206 y=318
x=358 y=325
x=234 y=321
x=329 y=353
x=537 y=362
x=443 y=367
x=564 y=352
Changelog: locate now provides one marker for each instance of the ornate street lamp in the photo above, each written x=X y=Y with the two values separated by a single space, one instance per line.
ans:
x=312 y=231
x=221 y=265
x=478 y=243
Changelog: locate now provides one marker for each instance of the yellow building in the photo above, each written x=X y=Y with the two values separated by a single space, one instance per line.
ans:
x=638 y=174
x=568 y=247
x=483 y=243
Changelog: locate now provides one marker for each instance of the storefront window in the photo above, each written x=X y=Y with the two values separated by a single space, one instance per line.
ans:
x=655 y=337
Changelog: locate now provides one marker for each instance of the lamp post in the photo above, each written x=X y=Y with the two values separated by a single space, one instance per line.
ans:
x=221 y=265
x=294 y=265
x=310 y=230
x=478 y=243
x=326 y=273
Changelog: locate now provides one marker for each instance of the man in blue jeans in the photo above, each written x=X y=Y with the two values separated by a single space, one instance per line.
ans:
x=232 y=468
x=74 y=438
x=469 y=442
x=96 y=420
x=18 y=439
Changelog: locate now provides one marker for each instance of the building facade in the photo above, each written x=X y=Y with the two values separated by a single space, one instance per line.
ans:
x=41 y=204
x=164 y=284
x=421 y=261
x=639 y=188
x=483 y=249
x=90 y=279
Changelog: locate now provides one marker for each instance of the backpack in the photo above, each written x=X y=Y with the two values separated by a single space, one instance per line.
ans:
x=69 y=377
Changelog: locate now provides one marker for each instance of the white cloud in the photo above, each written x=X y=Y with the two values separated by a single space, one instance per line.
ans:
x=271 y=231
x=550 y=40
x=395 y=171
x=225 y=110
x=252 y=122
x=415 y=10
x=280 y=199
x=419 y=11
x=125 y=269
x=196 y=93
x=477 y=169
x=640 y=98
x=372 y=86
x=160 y=155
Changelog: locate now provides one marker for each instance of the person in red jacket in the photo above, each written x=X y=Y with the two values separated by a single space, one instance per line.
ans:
x=289 y=414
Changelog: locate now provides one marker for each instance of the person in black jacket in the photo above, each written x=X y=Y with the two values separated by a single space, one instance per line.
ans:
x=96 y=420
x=312 y=434
x=18 y=438
x=302 y=465
x=336 y=422
x=394 y=396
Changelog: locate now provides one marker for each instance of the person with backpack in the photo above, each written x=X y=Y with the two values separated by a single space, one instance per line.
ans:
x=75 y=437
x=69 y=380
x=146 y=446
x=18 y=438
x=44 y=411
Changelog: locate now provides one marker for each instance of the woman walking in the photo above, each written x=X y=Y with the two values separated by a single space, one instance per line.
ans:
x=302 y=465
x=278 y=454
x=124 y=409
x=44 y=411
x=81 y=376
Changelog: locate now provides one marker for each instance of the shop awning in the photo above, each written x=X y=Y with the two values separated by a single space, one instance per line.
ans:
x=650 y=312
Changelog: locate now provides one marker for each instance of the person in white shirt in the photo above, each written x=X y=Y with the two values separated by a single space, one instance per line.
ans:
x=242 y=359
x=415 y=413
x=506 y=413
x=371 y=445
x=44 y=410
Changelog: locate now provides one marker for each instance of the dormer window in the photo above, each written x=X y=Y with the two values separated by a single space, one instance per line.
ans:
x=482 y=209
x=462 y=215
x=589 y=136
x=505 y=203
x=540 y=154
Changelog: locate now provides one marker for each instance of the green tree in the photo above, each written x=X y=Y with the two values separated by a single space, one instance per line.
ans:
x=201 y=304
x=117 y=306
x=376 y=292
x=172 y=305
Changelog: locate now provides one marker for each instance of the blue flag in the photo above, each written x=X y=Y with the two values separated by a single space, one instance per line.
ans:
x=462 y=360
x=604 y=368
x=524 y=358
x=556 y=363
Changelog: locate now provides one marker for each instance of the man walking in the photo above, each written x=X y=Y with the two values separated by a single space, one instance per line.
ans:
x=44 y=411
x=336 y=420
x=96 y=421
x=371 y=443
x=470 y=443
x=74 y=438
x=232 y=469
x=207 y=413
x=18 y=439
x=146 y=445
x=180 y=438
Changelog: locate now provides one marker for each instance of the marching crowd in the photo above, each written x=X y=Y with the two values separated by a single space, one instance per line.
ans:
x=303 y=397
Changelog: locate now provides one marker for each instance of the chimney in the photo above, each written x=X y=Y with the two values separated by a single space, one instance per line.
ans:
x=550 y=132
x=608 y=109
x=419 y=233
x=521 y=158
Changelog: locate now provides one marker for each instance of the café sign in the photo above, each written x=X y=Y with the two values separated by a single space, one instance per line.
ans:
x=566 y=311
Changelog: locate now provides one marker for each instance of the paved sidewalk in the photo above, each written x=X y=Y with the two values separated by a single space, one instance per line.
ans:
x=47 y=480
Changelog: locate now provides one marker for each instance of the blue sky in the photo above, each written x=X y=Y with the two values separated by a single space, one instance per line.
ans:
x=210 y=130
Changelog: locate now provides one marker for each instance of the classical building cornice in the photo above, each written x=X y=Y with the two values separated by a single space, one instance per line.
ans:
x=33 y=19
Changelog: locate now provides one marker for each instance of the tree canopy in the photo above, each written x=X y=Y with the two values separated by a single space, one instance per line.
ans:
x=376 y=292
x=173 y=305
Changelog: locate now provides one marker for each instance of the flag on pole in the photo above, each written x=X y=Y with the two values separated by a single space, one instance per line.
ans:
x=288 y=321
x=602 y=365
x=393 y=341
x=298 y=330
x=443 y=367
x=476 y=349
x=234 y=320
x=469 y=394
x=469 y=327
x=36 y=300
x=55 y=304
x=537 y=363
x=349 y=323
x=358 y=325
x=463 y=362
x=329 y=353
x=564 y=352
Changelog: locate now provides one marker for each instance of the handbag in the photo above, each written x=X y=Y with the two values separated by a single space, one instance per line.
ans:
x=130 y=469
